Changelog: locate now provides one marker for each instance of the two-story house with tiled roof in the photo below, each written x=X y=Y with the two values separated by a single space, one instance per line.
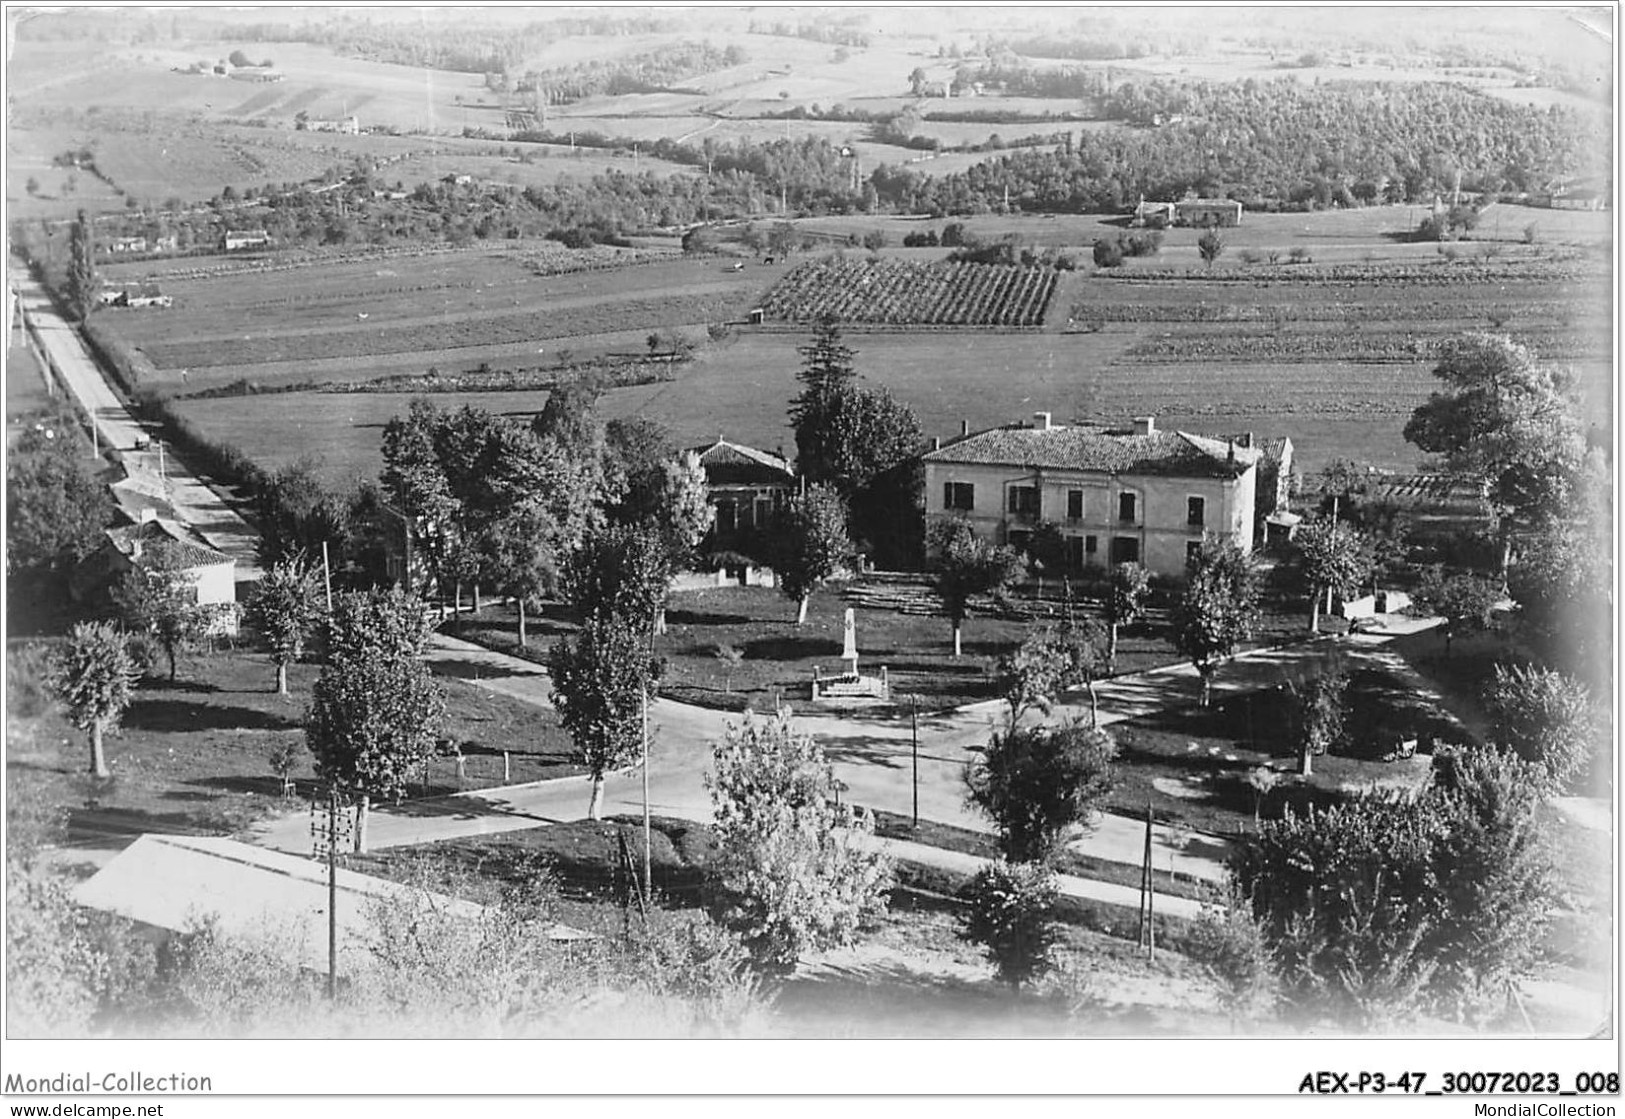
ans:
x=747 y=487
x=1136 y=494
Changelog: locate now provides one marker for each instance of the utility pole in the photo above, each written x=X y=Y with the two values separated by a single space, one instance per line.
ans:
x=327 y=578
x=914 y=737
x=648 y=883
x=1148 y=932
x=329 y=827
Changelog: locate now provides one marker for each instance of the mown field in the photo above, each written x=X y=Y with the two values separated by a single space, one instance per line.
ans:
x=1334 y=353
x=334 y=320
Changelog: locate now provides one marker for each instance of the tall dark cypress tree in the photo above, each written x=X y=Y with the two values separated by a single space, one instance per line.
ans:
x=81 y=268
x=826 y=368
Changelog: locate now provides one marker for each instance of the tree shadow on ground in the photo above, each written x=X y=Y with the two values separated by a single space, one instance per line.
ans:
x=705 y=618
x=790 y=648
x=193 y=687
x=181 y=715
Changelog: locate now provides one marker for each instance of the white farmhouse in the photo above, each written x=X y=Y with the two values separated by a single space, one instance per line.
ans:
x=1131 y=495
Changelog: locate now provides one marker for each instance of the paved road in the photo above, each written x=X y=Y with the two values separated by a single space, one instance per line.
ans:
x=870 y=752
x=122 y=436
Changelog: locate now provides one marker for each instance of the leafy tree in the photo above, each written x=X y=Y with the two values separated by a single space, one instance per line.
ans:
x=602 y=678
x=385 y=623
x=238 y=58
x=1508 y=421
x=1465 y=601
x=847 y=434
x=284 y=608
x=374 y=710
x=298 y=514
x=1128 y=591
x=1493 y=863
x=1562 y=582
x=620 y=571
x=415 y=482
x=1052 y=660
x=1036 y=783
x=1331 y=557
x=966 y=566
x=94 y=678
x=1322 y=713
x=811 y=544
x=55 y=508
x=1108 y=254
x=158 y=595
x=1217 y=610
x=1390 y=903
x=1210 y=245
x=1545 y=718
x=1010 y=912
x=1344 y=896
x=82 y=281
x=794 y=881
x=1229 y=944
x=686 y=512
x=636 y=454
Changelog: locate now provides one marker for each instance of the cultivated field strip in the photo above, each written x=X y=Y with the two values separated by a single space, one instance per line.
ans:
x=472 y=331
x=912 y=293
x=1551 y=343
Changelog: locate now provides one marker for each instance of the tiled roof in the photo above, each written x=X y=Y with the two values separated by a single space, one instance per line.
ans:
x=726 y=462
x=1275 y=449
x=1101 y=450
x=190 y=548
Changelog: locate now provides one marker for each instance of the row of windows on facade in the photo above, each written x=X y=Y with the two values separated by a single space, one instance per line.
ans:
x=1022 y=501
x=1084 y=551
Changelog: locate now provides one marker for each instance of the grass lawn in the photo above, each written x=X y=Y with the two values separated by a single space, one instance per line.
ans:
x=191 y=757
x=1191 y=765
x=911 y=975
x=581 y=859
x=892 y=826
x=777 y=657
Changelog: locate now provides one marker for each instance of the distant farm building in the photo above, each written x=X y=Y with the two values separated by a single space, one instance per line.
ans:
x=129 y=245
x=140 y=295
x=252 y=74
x=520 y=120
x=236 y=239
x=349 y=125
x=1207 y=212
x=1578 y=200
x=1154 y=213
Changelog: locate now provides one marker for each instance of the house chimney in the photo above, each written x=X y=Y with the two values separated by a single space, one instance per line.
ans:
x=1145 y=425
x=1230 y=446
x=1245 y=439
x=936 y=442
x=964 y=428
x=1043 y=419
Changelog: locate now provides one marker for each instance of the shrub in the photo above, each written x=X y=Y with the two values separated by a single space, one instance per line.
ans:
x=1010 y=913
x=1545 y=718
x=1229 y=944
x=1108 y=254
x=792 y=881
x=1343 y=896
x=1035 y=783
